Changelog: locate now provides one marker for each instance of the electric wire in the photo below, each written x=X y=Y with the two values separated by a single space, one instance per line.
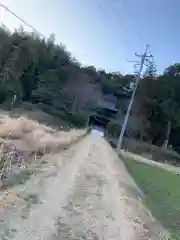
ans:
x=22 y=20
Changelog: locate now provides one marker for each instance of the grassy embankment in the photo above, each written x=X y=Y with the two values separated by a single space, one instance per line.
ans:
x=161 y=193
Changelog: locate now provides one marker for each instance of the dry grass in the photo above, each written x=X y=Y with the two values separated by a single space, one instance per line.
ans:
x=29 y=135
x=148 y=150
x=23 y=141
x=35 y=112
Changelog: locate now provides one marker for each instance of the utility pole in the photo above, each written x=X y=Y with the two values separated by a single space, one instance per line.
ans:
x=143 y=60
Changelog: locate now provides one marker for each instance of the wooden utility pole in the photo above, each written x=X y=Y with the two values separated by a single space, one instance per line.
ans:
x=144 y=58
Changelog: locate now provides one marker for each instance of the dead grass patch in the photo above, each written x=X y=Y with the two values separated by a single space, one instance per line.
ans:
x=147 y=150
x=24 y=141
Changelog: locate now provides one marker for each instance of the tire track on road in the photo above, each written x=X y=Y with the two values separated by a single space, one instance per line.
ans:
x=40 y=222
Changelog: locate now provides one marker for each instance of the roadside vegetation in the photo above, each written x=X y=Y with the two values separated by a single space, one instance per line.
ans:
x=25 y=144
x=44 y=74
x=161 y=193
x=20 y=178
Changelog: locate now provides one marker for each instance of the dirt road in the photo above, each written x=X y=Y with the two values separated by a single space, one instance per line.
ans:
x=85 y=193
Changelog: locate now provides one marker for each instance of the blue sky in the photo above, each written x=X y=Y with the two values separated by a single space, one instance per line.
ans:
x=101 y=32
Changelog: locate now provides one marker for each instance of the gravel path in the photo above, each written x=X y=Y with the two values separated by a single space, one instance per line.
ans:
x=89 y=197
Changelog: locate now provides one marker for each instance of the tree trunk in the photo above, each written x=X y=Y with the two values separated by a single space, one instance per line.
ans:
x=167 y=134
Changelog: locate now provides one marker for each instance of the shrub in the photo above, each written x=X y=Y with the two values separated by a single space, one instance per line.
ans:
x=113 y=128
x=108 y=86
x=3 y=95
x=78 y=119
x=19 y=178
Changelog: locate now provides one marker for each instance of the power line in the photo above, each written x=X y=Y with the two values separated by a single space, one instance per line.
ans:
x=22 y=20
x=133 y=22
x=135 y=26
x=126 y=42
x=117 y=17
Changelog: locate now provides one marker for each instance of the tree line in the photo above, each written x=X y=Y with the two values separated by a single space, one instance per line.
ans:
x=160 y=97
x=42 y=72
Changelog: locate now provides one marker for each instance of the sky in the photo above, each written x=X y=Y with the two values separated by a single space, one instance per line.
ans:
x=105 y=33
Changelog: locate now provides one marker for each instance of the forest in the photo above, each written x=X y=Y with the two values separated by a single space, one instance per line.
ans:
x=44 y=73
